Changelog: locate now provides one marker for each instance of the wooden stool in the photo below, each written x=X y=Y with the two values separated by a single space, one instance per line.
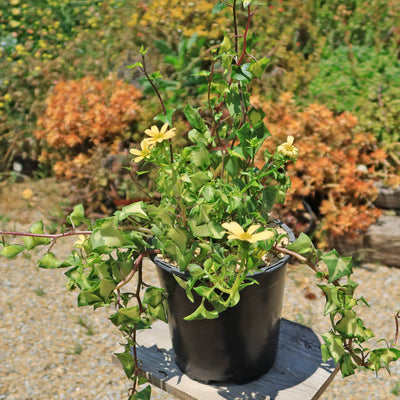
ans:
x=298 y=373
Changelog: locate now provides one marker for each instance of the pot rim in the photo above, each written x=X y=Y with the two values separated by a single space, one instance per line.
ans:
x=184 y=274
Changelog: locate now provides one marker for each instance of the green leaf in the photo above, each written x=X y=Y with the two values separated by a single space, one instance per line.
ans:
x=154 y=296
x=166 y=118
x=219 y=7
x=210 y=229
x=12 y=250
x=107 y=235
x=269 y=195
x=333 y=298
x=31 y=242
x=144 y=394
x=77 y=216
x=338 y=267
x=128 y=362
x=194 y=118
x=258 y=67
x=351 y=326
x=49 y=261
x=156 y=75
x=302 y=245
x=334 y=346
x=136 y=65
x=241 y=73
x=163 y=47
x=346 y=366
x=255 y=116
x=201 y=157
x=135 y=209
x=233 y=102
x=99 y=293
x=382 y=358
x=196 y=271
x=225 y=45
x=126 y=316
x=201 y=313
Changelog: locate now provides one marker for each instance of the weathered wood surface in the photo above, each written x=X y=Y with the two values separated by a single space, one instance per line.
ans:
x=298 y=374
x=383 y=241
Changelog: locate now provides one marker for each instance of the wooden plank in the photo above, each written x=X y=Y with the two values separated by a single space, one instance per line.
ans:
x=298 y=373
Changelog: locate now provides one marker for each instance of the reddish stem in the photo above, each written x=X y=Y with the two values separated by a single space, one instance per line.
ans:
x=249 y=16
x=55 y=236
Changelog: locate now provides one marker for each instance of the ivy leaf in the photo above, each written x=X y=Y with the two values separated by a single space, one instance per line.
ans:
x=135 y=209
x=258 y=67
x=225 y=45
x=351 y=326
x=49 y=261
x=106 y=234
x=126 y=315
x=99 y=293
x=219 y=7
x=77 y=217
x=338 y=267
x=333 y=298
x=383 y=356
x=12 y=250
x=201 y=157
x=346 y=366
x=31 y=242
x=194 y=118
x=241 y=73
x=167 y=118
x=333 y=347
x=269 y=196
x=154 y=296
x=127 y=360
x=144 y=394
x=302 y=245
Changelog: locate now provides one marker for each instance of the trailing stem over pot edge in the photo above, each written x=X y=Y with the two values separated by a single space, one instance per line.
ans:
x=212 y=220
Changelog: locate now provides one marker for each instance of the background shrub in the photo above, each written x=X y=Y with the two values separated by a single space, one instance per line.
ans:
x=335 y=172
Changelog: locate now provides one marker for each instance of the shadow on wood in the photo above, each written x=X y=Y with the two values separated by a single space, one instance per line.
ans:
x=298 y=373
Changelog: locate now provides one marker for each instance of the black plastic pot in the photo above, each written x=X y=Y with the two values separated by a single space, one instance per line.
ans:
x=241 y=344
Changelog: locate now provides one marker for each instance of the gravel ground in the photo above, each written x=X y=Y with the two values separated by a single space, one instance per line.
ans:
x=51 y=349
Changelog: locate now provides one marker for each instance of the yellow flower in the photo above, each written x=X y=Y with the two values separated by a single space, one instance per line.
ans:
x=157 y=136
x=14 y=24
x=27 y=194
x=237 y=232
x=146 y=146
x=287 y=149
x=14 y=2
x=79 y=243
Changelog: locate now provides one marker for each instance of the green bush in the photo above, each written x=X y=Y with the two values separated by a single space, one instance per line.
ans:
x=370 y=89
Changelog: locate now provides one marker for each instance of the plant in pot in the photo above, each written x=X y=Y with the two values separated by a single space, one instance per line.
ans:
x=219 y=255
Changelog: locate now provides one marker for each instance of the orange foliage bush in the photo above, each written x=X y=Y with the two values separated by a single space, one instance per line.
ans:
x=335 y=171
x=82 y=117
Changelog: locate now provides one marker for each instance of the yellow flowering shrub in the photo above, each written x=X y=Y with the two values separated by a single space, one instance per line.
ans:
x=165 y=17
